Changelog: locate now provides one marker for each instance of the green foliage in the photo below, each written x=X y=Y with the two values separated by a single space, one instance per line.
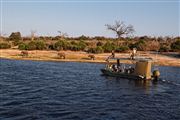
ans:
x=61 y=45
x=98 y=49
x=164 y=48
x=176 y=46
x=40 y=45
x=99 y=38
x=140 y=45
x=23 y=46
x=92 y=45
x=5 y=46
x=77 y=46
x=51 y=47
x=122 y=49
x=91 y=50
x=99 y=43
x=82 y=45
x=15 y=37
x=31 y=45
x=83 y=38
x=108 y=47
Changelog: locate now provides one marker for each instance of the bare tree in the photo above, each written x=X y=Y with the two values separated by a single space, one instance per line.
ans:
x=62 y=35
x=120 y=28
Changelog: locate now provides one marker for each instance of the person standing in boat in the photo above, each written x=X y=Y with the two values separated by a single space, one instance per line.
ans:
x=118 y=65
x=113 y=54
x=132 y=56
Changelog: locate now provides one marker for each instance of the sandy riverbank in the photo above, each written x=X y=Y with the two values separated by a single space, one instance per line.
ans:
x=167 y=59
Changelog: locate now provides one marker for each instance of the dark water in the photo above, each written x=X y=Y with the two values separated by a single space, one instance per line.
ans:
x=77 y=91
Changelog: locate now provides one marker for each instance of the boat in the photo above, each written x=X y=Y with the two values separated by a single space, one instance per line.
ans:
x=139 y=70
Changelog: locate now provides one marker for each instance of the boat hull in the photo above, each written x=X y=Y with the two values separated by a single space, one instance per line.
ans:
x=121 y=75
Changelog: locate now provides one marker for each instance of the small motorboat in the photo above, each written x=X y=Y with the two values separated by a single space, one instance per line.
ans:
x=139 y=70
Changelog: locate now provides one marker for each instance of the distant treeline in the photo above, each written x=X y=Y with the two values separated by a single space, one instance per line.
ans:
x=91 y=44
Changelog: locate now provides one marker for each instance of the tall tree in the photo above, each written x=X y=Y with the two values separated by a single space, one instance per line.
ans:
x=120 y=28
x=15 y=36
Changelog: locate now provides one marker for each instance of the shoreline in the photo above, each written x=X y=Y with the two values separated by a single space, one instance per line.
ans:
x=44 y=55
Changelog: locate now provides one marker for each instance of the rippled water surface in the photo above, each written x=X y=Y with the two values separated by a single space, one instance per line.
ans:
x=31 y=90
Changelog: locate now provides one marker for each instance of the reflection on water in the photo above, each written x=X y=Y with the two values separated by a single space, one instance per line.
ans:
x=146 y=85
x=55 y=90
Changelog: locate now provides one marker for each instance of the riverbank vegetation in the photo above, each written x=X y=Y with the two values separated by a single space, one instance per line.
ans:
x=96 y=44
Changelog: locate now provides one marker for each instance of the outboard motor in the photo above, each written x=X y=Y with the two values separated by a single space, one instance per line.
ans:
x=156 y=75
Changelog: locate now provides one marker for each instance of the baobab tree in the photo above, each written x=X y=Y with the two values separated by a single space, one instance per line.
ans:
x=120 y=28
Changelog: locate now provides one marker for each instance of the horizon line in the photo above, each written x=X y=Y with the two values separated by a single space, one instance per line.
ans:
x=91 y=1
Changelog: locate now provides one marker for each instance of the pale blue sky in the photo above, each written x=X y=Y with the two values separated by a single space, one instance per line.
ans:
x=152 y=18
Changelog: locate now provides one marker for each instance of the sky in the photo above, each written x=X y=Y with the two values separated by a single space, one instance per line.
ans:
x=88 y=17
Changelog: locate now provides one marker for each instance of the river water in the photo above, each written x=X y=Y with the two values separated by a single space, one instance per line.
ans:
x=32 y=90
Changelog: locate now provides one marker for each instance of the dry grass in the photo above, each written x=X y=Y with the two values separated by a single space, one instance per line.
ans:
x=83 y=56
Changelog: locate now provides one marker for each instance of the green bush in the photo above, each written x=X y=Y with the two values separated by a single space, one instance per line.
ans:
x=23 y=46
x=51 y=47
x=40 y=45
x=61 y=45
x=122 y=49
x=15 y=37
x=140 y=45
x=164 y=48
x=5 y=46
x=99 y=43
x=31 y=45
x=176 y=46
x=83 y=38
x=91 y=50
x=82 y=45
x=109 y=47
x=98 y=49
x=77 y=46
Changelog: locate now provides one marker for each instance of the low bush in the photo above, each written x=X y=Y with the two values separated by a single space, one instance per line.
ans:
x=31 y=45
x=140 y=45
x=82 y=45
x=5 y=45
x=122 y=49
x=61 y=45
x=164 y=48
x=98 y=49
x=99 y=43
x=176 y=46
x=109 y=47
x=22 y=46
x=40 y=45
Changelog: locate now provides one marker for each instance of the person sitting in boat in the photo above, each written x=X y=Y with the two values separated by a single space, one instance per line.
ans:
x=129 y=70
x=114 y=68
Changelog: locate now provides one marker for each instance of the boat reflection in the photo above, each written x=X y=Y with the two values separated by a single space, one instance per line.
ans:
x=146 y=85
